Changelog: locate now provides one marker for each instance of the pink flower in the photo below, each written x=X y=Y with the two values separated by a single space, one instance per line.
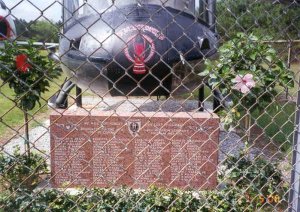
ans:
x=245 y=83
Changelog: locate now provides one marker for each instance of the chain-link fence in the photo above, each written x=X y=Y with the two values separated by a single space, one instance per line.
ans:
x=157 y=105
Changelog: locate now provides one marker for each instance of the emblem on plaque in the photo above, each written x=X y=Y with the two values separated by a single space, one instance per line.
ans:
x=134 y=127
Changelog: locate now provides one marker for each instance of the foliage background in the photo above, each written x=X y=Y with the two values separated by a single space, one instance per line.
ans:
x=39 y=30
x=279 y=20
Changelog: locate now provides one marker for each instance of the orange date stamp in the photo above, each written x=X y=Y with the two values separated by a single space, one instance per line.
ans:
x=269 y=199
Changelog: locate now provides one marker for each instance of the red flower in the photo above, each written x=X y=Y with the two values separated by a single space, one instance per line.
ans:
x=22 y=64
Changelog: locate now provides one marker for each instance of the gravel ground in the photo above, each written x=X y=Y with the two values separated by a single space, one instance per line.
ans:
x=39 y=137
x=230 y=142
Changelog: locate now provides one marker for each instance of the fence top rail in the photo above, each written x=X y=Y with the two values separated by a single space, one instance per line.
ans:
x=281 y=41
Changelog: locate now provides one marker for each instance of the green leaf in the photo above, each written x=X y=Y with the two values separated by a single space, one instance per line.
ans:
x=204 y=73
x=253 y=56
x=269 y=58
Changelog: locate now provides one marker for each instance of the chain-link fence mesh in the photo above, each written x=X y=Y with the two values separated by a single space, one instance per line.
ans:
x=157 y=105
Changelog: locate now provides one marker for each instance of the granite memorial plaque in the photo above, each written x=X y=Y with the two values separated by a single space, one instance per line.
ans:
x=104 y=149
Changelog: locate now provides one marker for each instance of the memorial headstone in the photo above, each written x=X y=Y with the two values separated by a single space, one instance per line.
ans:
x=136 y=149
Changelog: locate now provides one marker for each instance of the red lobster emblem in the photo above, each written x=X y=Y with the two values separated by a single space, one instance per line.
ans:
x=140 y=50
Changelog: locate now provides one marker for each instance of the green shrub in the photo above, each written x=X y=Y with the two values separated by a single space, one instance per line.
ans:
x=256 y=177
x=21 y=171
x=277 y=121
x=250 y=73
x=248 y=185
x=122 y=199
x=27 y=72
x=244 y=185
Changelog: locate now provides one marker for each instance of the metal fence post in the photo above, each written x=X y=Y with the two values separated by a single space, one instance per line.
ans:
x=294 y=195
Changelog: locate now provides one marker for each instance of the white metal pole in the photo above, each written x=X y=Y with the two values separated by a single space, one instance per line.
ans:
x=294 y=196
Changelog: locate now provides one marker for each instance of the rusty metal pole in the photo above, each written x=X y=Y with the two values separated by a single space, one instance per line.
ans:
x=289 y=65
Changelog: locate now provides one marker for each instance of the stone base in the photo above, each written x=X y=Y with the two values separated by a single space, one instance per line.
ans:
x=136 y=149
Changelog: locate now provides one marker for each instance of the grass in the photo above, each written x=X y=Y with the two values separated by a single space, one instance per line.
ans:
x=277 y=121
x=11 y=117
x=295 y=67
